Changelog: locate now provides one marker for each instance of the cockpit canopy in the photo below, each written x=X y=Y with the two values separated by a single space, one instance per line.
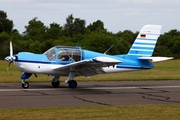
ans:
x=73 y=53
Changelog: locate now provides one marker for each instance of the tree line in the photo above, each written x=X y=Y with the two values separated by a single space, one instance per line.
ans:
x=38 y=38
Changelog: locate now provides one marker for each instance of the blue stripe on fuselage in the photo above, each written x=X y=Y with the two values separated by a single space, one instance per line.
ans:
x=43 y=62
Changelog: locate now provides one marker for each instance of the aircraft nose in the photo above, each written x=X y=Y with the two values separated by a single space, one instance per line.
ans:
x=10 y=58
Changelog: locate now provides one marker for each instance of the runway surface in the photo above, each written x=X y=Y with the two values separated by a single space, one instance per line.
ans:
x=90 y=94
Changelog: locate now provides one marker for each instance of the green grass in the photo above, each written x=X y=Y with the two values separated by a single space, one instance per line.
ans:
x=167 y=70
x=136 y=112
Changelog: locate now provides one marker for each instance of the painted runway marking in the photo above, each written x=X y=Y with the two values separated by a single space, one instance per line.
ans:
x=134 y=87
x=16 y=90
x=100 y=88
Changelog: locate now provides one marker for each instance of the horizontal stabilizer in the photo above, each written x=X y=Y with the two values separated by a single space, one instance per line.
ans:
x=155 y=59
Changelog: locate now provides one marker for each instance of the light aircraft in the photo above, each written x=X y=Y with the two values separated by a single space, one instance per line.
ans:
x=72 y=61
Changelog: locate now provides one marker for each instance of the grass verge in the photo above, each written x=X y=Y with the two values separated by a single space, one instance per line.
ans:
x=137 y=112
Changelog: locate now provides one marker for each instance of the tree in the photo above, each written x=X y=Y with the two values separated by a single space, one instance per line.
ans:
x=128 y=36
x=98 y=41
x=4 y=46
x=74 y=26
x=168 y=44
x=35 y=47
x=79 y=26
x=95 y=25
x=69 y=26
x=36 y=30
x=6 y=25
x=54 y=32
x=175 y=49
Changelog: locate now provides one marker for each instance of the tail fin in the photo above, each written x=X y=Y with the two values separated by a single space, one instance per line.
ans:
x=146 y=41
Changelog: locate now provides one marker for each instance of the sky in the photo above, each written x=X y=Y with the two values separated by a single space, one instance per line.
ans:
x=117 y=15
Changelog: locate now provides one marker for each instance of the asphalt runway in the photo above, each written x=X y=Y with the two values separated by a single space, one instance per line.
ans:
x=90 y=94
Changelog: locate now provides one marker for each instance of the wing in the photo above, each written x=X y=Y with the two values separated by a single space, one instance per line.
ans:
x=90 y=67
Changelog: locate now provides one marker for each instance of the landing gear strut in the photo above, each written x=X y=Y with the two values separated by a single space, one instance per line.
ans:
x=72 y=83
x=25 y=76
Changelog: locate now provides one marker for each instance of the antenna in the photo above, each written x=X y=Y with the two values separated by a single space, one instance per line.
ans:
x=108 y=49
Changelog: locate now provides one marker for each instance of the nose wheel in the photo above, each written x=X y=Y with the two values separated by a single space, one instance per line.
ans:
x=25 y=85
x=25 y=76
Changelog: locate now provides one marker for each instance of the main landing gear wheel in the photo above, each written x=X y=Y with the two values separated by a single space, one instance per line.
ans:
x=72 y=84
x=55 y=84
x=25 y=85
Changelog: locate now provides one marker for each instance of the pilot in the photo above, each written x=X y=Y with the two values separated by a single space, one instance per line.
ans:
x=64 y=57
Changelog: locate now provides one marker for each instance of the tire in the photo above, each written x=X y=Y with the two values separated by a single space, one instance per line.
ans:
x=55 y=84
x=72 y=84
x=25 y=85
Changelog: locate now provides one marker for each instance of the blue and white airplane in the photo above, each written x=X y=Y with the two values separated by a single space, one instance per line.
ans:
x=72 y=61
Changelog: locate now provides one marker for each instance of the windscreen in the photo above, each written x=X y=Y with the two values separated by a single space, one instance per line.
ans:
x=51 y=54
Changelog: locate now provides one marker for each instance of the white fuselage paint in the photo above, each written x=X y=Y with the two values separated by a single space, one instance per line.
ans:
x=38 y=68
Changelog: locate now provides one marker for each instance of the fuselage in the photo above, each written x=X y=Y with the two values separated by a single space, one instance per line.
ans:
x=47 y=62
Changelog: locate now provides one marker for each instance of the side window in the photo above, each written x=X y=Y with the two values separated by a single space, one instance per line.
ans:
x=69 y=54
x=76 y=55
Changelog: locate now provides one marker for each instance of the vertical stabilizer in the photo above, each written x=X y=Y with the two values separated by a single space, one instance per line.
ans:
x=145 y=41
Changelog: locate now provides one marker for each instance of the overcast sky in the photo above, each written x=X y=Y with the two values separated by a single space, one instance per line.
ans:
x=117 y=15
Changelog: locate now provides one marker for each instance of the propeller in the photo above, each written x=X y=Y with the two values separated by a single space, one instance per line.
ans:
x=10 y=58
x=11 y=48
